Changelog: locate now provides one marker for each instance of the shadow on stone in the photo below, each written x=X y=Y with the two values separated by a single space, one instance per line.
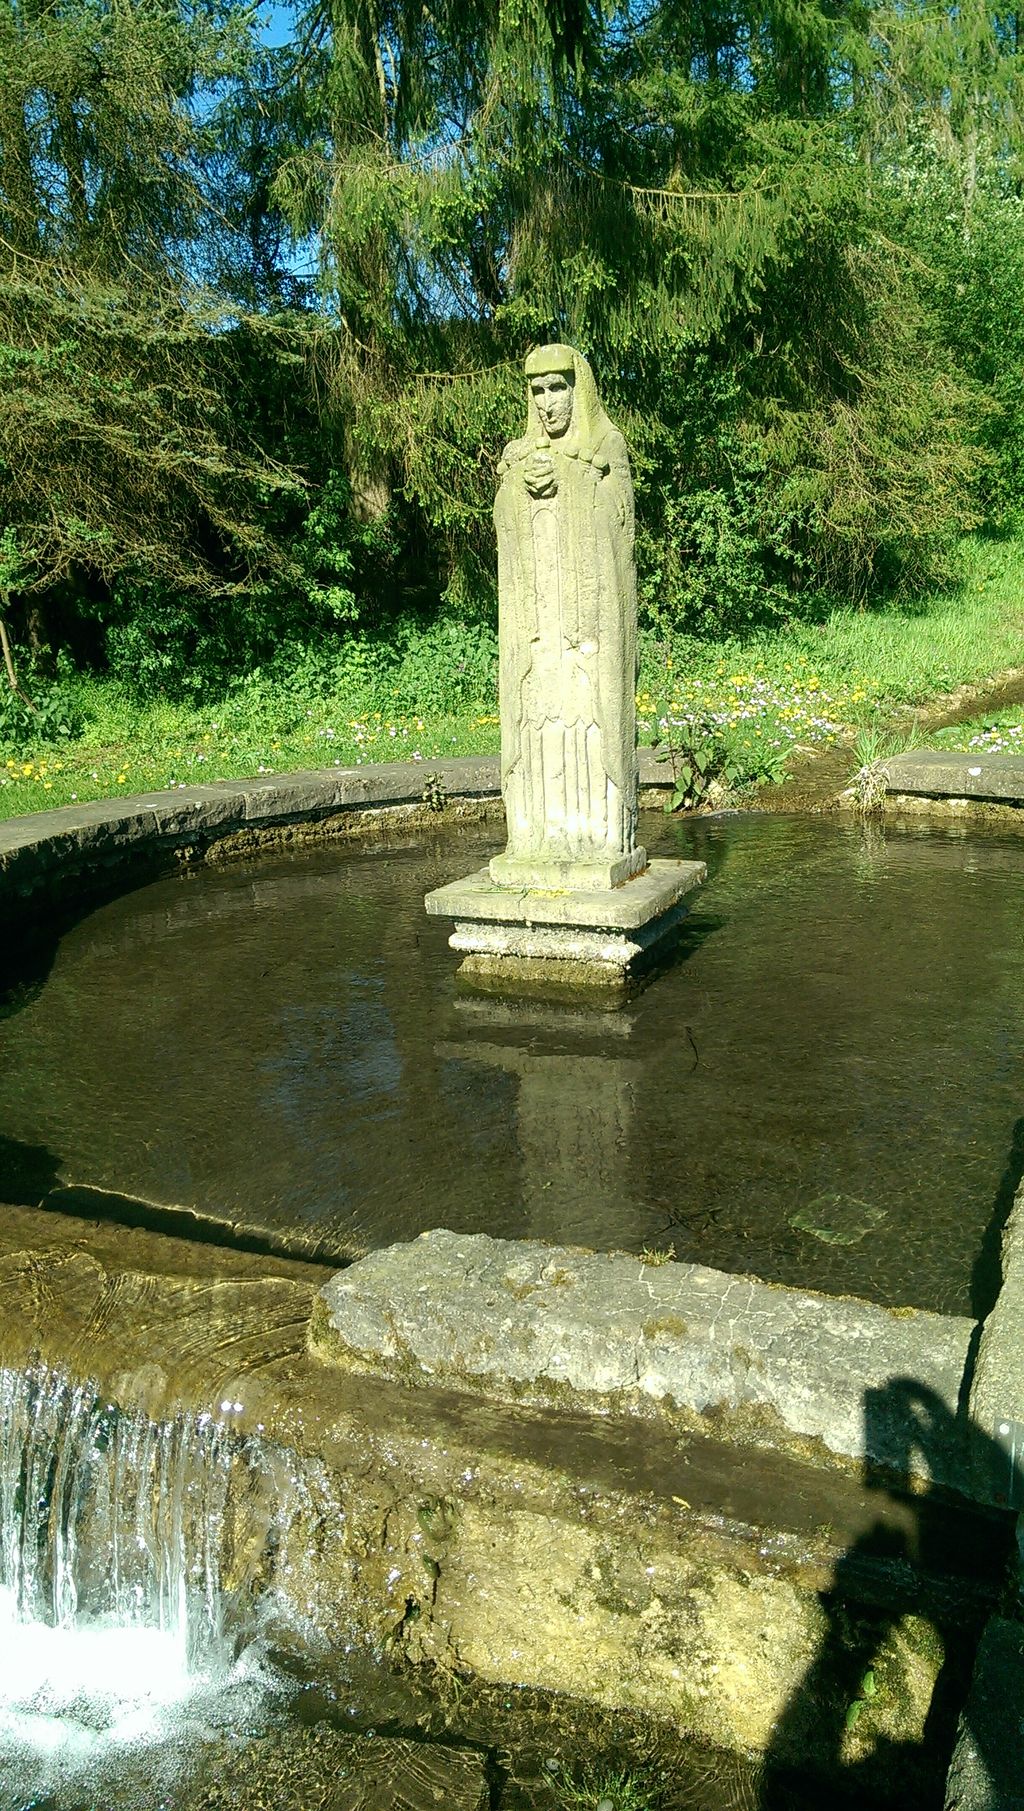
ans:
x=986 y=1275
x=842 y=1713
x=27 y=1172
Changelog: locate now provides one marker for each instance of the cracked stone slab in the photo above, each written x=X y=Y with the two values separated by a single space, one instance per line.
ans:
x=934 y=773
x=523 y=1321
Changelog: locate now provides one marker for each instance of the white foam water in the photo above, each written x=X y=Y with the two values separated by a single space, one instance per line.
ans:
x=115 y=1632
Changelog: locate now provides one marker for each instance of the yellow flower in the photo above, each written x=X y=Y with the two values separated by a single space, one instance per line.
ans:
x=121 y=778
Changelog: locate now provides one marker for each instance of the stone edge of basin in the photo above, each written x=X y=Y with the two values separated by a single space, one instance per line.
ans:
x=215 y=810
x=938 y=774
x=997 y=1385
x=527 y=1322
x=987 y=1771
x=44 y=843
x=265 y=798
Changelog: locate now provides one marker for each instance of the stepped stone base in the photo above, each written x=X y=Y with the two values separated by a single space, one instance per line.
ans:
x=593 y=936
x=593 y=876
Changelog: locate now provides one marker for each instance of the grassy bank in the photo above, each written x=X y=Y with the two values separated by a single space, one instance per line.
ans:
x=998 y=732
x=757 y=698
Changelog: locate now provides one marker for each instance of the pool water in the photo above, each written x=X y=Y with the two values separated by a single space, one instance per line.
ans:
x=823 y=1090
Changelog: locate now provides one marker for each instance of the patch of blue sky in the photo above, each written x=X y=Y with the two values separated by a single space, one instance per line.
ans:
x=277 y=25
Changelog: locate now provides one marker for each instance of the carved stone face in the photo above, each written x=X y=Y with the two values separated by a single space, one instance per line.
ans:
x=552 y=393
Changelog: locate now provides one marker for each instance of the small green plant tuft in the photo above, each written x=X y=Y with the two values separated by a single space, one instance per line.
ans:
x=655 y=1256
x=434 y=794
x=603 y=1788
x=868 y=1689
x=698 y=757
x=870 y=780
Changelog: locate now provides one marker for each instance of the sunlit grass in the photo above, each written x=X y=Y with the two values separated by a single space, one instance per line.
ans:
x=859 y=661
x=606 y=1789
x=763 y=696
x=192 y=750
x=1001 y=733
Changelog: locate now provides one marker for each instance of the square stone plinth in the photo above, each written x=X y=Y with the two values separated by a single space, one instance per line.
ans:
x=590 y=936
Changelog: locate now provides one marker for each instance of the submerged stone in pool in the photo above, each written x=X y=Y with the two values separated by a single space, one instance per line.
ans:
x=838 y=1219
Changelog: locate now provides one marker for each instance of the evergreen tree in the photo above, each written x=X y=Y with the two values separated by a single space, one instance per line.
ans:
x=125 y=458
x=682 y=191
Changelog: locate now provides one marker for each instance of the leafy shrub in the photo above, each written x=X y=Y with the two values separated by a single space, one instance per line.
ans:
x=702 y=750
x=159 y=643
x=323 y=552
x=440 y=669
x=707 y=567
x=53 y=716
x=445 y=667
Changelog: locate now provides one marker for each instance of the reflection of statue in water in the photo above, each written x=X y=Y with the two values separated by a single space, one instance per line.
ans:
x=567 y=633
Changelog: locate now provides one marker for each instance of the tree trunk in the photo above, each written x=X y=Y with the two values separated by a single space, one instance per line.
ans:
x=8 y=653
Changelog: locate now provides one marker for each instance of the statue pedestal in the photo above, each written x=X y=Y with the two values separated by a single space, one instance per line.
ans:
x=588 y=937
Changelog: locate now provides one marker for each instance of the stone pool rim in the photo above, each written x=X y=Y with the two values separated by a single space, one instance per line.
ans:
x=244 y=816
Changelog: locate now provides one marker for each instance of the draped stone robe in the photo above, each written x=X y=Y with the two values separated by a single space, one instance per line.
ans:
x=567 y=646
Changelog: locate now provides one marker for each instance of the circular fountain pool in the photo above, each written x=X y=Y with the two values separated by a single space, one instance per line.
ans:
x=823 y=1090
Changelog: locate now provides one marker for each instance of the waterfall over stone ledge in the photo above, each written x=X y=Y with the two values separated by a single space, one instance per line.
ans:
x=130 y=1557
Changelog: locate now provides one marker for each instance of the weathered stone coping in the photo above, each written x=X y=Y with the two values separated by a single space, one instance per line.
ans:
x=997 y=1390
x=521 y=1321
x=947 y=786
x=987 y=1773
x=941 y=774
x=45 y=850
x=194 y=818
x=241 y=815
x=202 y=815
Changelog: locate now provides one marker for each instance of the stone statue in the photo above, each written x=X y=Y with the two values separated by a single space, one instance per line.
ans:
x=573 y=901
x=567 y=638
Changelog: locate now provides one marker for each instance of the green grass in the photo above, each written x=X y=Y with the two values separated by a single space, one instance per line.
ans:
x=999 y=733
x=806 y=686
x=602 y=1787
x=129 y=748
x=904 y=655
x=758 y=698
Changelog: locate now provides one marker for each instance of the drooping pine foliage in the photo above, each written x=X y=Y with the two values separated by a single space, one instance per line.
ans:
x=698 y=196
x=127 y=455
x=262 y=311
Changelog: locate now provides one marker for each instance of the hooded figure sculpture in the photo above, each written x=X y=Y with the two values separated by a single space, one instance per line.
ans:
x=567 y=638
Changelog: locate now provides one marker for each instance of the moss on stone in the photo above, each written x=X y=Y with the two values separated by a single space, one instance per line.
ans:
x=665 y=1326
